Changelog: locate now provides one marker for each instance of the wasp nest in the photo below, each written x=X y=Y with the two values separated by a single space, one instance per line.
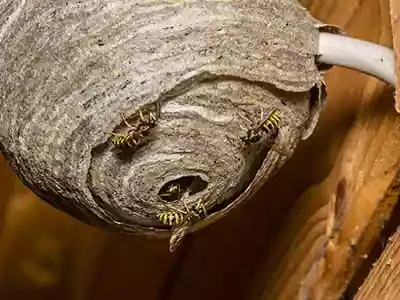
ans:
x=154 y=116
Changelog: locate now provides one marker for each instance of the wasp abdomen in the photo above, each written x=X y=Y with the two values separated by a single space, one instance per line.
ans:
x=136 y=134
x=271 y=124
x=268 y=125
x=171 y=218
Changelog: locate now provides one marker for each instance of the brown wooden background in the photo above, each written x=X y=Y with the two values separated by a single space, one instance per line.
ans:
x=305 y=234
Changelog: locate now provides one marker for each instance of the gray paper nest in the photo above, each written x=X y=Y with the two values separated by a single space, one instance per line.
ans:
x=69 y=70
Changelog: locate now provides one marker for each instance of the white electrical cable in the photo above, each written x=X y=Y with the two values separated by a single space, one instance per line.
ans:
x=366 y=57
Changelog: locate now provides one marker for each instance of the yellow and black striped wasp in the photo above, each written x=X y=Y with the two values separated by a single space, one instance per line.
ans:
x=268 y=125
x=180 y=220
x=135 y=135
x=173 y=192
x=177 y=217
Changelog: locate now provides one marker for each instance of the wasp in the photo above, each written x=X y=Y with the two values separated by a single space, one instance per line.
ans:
x=179 y=217
x=135 y=135
x=196 y=212
x=269 y=125
x=173 y=192
x=181 y=220
x=150 y=122
x=131 y=139
x=172 y=217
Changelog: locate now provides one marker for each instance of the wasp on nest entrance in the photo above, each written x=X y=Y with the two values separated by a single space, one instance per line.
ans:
x=180 y=219
x=135 y=135
x=268 y=125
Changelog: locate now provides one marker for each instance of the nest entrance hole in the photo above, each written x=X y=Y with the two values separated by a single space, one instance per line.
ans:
x=176 y=189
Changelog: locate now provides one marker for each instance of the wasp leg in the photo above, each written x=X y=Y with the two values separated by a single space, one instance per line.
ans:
x=142 y=119
x=246 y=119
x=199 y=210
x=203 y=208
x=185 y=195
x=129 y=142
x=174 y=208
x=152 y=118
x=126 y=122
x=186 y=207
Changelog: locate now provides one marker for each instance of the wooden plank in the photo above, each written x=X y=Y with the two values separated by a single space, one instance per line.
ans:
x=383 y=282
x=395 y=17
x=336 y=220
x=39 y=251
x=132 y=268
x=46 y=254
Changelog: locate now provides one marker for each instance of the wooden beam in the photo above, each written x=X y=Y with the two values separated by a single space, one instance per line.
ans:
x=336 y=221
x=395 y=17
x=383 y=282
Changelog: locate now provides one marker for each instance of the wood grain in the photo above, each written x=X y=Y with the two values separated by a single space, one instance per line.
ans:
x=383 y=282
x=395 y=17
x=335 y=221
x=231 y=250
x=46 y=254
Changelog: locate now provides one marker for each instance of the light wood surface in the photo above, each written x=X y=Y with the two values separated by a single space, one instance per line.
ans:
x=383 y=282
x=336 y=221
x=395 y=17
